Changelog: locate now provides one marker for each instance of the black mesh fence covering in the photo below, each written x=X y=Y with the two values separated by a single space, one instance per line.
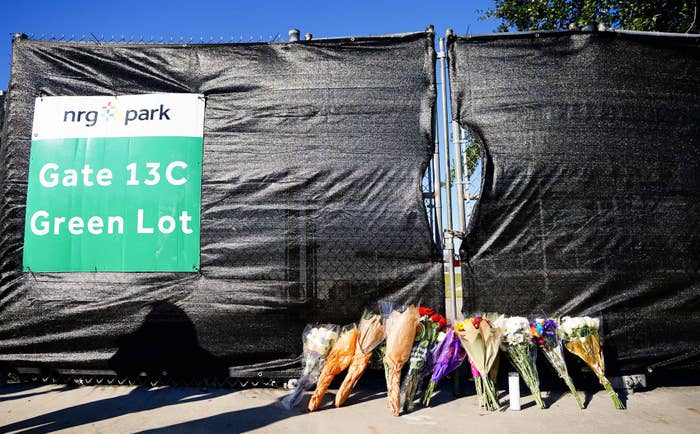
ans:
x=311 y=203
x=590 y=200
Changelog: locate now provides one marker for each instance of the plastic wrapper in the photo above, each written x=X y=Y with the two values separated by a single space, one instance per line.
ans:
x=547 y=337
x=426 y=334
x=338 y=360
x=582 y=338
x=447 y=356
x=522 y=352
x=318 y=341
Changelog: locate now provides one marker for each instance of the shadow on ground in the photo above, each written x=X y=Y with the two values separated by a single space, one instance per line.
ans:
x=139 y=399
x=143 y=399
x=249 y=419
x=10 y=394
x=234 y=421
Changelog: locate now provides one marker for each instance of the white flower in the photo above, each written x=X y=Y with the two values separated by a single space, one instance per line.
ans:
x=516 y=329
x=516 y=324
x=571 y=325
x=592 y=323
x=320 y=338
x=568 y=325
x=440 y=337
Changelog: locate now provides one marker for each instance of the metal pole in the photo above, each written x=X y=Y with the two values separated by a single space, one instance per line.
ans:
x=449 y=242
x=457 y=146
x=437 y=188
x=435 y=164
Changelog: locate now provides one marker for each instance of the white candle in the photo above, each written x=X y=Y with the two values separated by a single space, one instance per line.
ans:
x=514 y=390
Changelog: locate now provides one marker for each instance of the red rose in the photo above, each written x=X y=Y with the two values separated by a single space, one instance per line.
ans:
x=425 y=311
x=436 y=317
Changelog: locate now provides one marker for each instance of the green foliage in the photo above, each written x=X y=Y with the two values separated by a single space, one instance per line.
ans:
x=679 y=16
x=472 y=153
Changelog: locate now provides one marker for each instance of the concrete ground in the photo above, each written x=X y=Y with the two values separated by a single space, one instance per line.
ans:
x=121 y=409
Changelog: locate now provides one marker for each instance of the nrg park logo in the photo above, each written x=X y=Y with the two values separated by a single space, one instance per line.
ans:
x=110 y=113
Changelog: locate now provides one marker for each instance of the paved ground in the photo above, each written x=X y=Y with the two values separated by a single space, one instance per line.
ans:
x=119 y=409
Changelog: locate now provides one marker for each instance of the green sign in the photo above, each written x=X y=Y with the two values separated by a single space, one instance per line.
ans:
x=123 y=192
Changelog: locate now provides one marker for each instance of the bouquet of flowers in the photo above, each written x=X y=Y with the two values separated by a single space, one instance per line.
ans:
x=400 y=331
x=371 y=334
x=337 y=361
x=481 y=340
x=581 y=337
x=522 y=353
x=545 y=334
x=317 y=342
x=446 y=356
x=428 y=329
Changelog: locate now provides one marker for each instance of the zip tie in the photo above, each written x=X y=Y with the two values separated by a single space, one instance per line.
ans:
x=453 y=233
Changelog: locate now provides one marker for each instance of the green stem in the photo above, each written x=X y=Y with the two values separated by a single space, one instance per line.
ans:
x=429 y=394
x=616 y=399
x=573 y=390
x=538 y=398
x=491 y=396
x=411 y=389
x=478 y=384
x=521 y=361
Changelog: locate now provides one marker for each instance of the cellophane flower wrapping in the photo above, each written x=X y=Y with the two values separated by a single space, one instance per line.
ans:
x=428 y=329
x=447 y=355
x=400 y=331
x=522 y=353
x=371 y=334
x=481 y=338
x=582 y=337
x=431 y=358
x=338 y=360
x=546 y=335
x=318 y=341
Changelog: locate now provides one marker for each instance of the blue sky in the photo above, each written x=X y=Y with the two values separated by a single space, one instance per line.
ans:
x=221 y=18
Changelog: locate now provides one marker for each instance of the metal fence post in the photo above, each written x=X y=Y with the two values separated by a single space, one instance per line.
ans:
x=459 y=164
x=448 y=232
x=435 y=169
x=437 y=187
